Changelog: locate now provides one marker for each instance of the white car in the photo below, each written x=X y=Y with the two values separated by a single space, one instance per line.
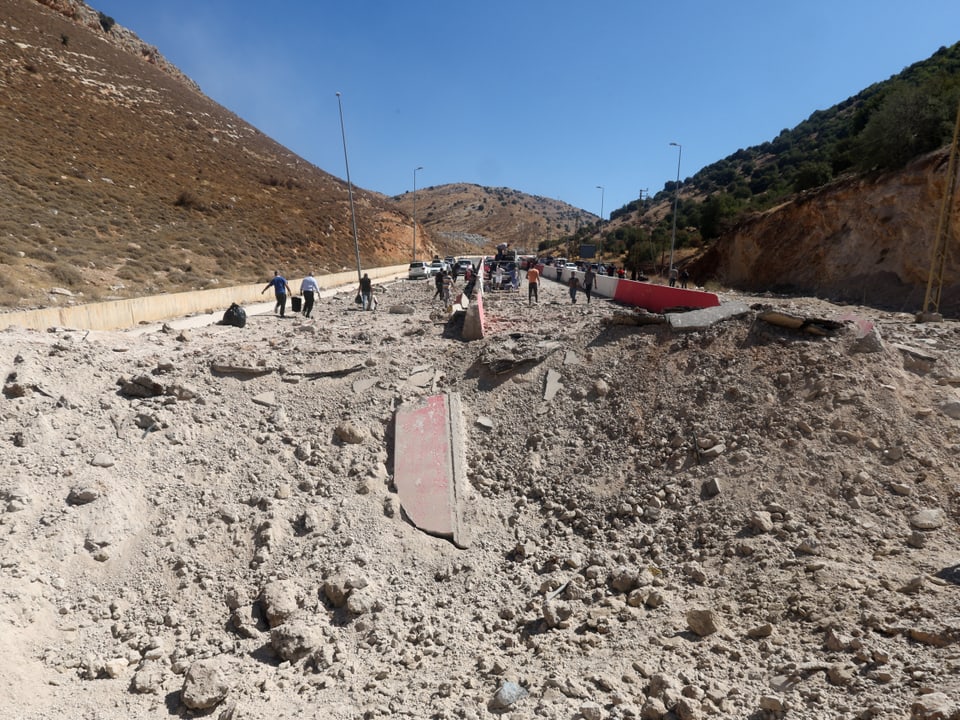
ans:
x=418 y=270
x=437 y=266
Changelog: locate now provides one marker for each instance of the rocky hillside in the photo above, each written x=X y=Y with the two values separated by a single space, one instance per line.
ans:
x=866 y=241
x=487 y=216
x=121 y=179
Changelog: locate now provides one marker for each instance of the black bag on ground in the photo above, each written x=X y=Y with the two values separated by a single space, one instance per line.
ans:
x=295 y=303
x=235 y=315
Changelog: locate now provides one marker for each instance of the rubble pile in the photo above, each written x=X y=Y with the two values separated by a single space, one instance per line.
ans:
x=745 y=520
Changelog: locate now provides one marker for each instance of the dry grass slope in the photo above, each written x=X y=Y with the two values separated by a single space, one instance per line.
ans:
x=122 y=180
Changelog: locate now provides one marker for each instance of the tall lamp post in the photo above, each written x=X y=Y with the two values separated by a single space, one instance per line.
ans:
x=600 y=234
x=353 y=214
x=415 y=211
x=676 y=199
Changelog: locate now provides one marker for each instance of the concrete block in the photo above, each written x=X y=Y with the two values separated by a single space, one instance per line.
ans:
x=552 y=385
x=473 y=319
x=429 y=465
x=704 y=318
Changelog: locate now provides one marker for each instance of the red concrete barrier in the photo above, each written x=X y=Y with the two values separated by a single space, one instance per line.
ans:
x=657 y=298
x=429 y=465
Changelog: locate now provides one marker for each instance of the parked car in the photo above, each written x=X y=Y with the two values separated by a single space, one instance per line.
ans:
x=418 y=270
x=463 y=264
x=450 y=260
x=437 y=266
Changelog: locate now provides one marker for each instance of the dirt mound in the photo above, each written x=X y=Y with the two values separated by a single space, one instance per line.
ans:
x=744 y=521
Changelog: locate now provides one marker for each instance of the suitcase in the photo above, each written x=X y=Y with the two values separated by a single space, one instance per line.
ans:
x=295 y=303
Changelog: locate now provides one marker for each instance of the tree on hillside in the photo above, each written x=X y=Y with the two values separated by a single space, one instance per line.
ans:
x=910 y=121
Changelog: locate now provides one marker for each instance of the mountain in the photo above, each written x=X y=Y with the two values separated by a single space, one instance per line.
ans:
x=487 y=216
x=122 y=179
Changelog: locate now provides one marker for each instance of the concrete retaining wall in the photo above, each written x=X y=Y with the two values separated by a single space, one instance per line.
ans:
x=122 y=314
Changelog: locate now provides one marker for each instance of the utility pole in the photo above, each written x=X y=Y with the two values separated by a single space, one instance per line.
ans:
x=941 y=243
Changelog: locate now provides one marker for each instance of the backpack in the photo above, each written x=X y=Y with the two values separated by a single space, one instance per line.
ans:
x=235 y=315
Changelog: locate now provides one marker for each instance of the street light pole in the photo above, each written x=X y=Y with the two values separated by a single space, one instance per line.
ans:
x=600 y=233
x=415 y=211
x=676 y=199
x=353 y=214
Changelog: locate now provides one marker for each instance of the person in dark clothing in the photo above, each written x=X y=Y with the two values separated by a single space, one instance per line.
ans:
x=588 y=279
x=280 y=290
x=366 y=292
x=684 y=277
x=438 y=279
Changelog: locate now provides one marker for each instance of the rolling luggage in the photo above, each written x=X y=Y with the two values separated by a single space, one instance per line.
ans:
x=295 y=303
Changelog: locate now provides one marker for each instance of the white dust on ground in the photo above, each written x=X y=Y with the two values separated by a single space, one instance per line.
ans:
x=743 y=521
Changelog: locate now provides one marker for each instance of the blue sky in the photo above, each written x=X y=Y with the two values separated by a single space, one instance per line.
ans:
x=549 y=97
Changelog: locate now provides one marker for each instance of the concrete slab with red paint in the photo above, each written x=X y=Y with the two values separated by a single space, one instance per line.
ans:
x=429 y=465
x=657 y=298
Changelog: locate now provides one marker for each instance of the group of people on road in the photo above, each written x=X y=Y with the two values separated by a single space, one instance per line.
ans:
x=310 y=290
x=574 y=284
x=445 y=280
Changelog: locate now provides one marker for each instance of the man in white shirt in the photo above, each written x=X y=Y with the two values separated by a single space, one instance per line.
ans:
x=308 y=288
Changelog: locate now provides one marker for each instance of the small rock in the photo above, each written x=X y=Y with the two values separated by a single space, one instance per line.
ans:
x=928 y=519
x=760 y=521
x=280 y=601
x=703 y=622
x=102 y=460
x=82 y=495
x=204 y=685
x=591 y=711
x=295 y=639
x=951 y=408
x=267 y=399
x=508 y=695
x=350 y=434
x=771 y=703
x=871 y=342
x=933 y=706
x=760 y=631
x=149 y=679
x=485 y=422
x=115 y=667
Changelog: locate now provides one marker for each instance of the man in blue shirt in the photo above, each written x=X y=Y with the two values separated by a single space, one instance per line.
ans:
x=280 y=289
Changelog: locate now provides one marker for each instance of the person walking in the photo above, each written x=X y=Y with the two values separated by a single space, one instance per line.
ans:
x=573 y=284
x=366 y=292
x=309 y=289
x=589 y=277
x=447 y=289
x=533 y=283
x=438 y=281
x=280 y=290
